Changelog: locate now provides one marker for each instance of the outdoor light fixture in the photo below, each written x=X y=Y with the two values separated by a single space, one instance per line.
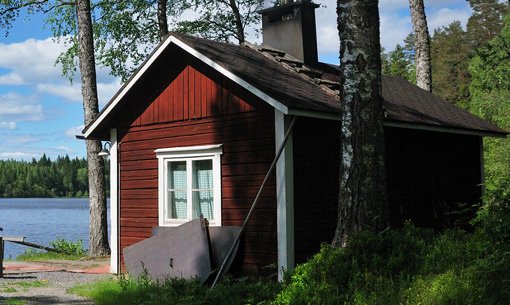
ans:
x=105 y=152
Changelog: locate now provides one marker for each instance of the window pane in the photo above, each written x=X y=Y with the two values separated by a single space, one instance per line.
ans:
x=177 y=201
x=202 y=174
x=203 y=204
x=203 y=188
x=177 y=205
x=177 y=175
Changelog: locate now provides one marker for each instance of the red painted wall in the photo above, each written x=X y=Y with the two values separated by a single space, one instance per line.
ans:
x=200 y=107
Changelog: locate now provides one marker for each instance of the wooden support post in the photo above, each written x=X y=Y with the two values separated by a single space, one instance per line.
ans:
x=1 y=257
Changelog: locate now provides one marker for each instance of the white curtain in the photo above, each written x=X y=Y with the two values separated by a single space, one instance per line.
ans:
x=203 y=188
x=177 y=201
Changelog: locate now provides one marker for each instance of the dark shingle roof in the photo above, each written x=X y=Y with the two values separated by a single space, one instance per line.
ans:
x=279 y=78
x=313 y=90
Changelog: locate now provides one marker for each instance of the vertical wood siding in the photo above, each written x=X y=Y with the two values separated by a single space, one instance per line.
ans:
x=199 y=107
x=193 y=94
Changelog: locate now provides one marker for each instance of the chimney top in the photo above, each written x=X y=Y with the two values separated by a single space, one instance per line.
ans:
x=290 y=27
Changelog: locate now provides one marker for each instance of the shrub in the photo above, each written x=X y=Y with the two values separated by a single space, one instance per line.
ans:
x=69 y=246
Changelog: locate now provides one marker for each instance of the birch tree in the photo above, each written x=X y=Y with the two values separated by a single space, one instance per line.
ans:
x=422 y=45
x=362 y=203
x=81 y=22
x=125 y=32
x=98 y=237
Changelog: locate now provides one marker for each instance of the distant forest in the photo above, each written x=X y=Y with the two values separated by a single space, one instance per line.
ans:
x=41 y=178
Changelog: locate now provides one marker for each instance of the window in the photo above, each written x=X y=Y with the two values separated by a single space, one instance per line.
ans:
x=189 y=184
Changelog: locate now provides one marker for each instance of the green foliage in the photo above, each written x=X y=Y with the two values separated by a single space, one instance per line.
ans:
x=371 y=270
x=450 y=50
x=125 y=290
x=486 y=21
x=69 y=246
x=399 y=64
x=490 y=92
x=122 y=42
x=494 y=266
x=411 y=266
x=74 y=251
x=63 y=177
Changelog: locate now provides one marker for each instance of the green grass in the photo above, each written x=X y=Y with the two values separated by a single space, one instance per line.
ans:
x=9 y=289
x=124 y=290
x=15 y=302
x=31 y=284
x=34 y=255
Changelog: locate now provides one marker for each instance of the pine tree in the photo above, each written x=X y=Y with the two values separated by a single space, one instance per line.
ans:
x=486 y=20
x=450 y=59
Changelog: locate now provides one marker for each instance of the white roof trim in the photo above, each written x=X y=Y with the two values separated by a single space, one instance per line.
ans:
x=200 y=56
x=127 y=87
x=232 y=76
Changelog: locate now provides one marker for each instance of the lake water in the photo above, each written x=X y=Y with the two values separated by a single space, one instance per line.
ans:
x=42 y=220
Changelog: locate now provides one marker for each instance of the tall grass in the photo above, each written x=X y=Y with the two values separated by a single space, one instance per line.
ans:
x=124 y=290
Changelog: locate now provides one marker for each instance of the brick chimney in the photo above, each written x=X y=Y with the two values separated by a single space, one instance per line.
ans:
x=290 y=27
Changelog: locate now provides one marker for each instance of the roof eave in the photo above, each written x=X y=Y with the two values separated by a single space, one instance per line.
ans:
x=480 y=133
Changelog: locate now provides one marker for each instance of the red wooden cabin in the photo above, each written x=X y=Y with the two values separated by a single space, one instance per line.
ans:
x=195 y=129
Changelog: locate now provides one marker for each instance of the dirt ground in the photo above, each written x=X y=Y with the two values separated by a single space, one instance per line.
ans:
x=48 y=282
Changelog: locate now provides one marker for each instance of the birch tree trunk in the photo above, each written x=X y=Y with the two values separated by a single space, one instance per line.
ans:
x=362 y=202
x=98 y=239
x=421 y=45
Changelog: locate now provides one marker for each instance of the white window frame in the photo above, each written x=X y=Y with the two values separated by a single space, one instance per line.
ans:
x=188 y=154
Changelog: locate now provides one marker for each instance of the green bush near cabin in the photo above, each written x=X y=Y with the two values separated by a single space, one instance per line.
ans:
x=407 y=266
x=74 y=251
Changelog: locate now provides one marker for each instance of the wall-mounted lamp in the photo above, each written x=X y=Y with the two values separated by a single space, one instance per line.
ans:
x=105 y=152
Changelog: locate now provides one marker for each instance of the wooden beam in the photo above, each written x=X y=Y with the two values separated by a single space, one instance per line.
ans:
x=284 y=195
x=13 y=238
x=1 y=257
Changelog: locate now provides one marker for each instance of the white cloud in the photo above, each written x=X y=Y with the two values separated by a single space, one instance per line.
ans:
x=18 y=155
x=106 y=91
x=66 y=150
x=395 y=20
x=7 y=125
x=18 y=139
x=17 y=107
x=12 y=79
x=31 y=61
x=70 y=93
x=73 y=131
x=446 y=16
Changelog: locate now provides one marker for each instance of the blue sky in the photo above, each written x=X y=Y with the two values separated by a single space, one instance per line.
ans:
x=41 y=112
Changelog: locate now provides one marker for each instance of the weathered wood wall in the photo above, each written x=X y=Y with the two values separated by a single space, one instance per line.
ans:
x=200 y=107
